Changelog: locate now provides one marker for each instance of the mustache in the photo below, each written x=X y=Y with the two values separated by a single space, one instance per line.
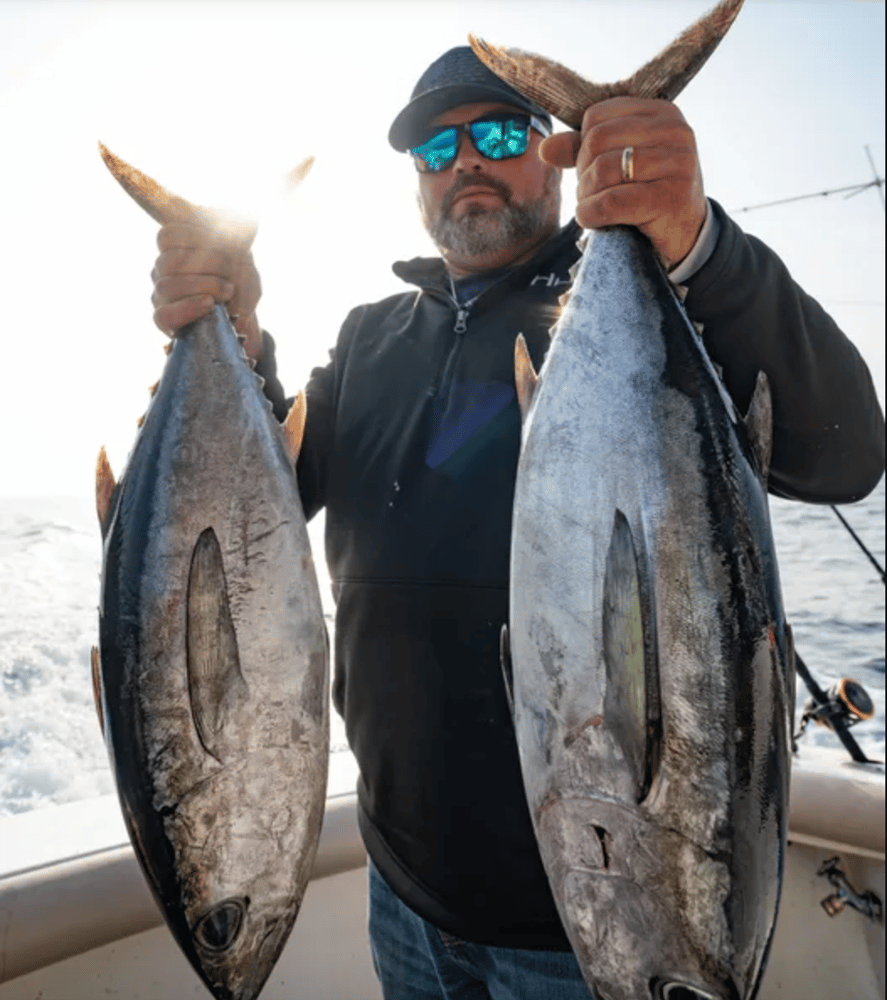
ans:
x=471 y=181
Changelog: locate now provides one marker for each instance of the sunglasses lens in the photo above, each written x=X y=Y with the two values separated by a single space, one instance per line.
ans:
x=437 y=153
x=496 y=139
x=499 y=140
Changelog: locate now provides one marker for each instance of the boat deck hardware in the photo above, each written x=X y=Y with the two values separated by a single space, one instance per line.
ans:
x=868 y=903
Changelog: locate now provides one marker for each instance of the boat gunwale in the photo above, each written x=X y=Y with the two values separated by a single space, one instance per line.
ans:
x=55 y=911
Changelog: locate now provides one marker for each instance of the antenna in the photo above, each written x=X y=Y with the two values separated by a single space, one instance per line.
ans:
x=854 y=189
x=878 y=180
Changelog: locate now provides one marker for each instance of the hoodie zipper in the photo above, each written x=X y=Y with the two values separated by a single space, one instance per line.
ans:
x=460 y=327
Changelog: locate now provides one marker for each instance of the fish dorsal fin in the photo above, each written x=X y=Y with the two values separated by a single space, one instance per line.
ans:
x=105 y=484
x=215 y=683
x=507 y=668
x=525 y=377
x=294 y=427
x=96 y=669
x=567 y=96
x=631 y=699
x=759 y=424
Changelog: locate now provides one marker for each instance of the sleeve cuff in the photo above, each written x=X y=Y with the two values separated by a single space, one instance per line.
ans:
x=702 y=249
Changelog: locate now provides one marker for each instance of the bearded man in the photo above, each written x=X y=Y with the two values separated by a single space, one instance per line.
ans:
x=411 y=445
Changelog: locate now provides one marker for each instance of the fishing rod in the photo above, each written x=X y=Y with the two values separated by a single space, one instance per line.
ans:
x=860 y=543
x=846 y=702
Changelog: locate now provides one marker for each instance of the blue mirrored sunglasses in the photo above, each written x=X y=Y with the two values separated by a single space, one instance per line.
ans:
x=496 y=138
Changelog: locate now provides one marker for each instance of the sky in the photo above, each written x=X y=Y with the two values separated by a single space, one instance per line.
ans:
x=218 y=100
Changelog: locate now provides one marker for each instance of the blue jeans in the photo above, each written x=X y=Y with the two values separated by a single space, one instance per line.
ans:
x=416 y=961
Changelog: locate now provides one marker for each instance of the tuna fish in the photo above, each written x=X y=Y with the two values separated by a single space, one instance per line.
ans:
x=212 y=680
x=650 y=663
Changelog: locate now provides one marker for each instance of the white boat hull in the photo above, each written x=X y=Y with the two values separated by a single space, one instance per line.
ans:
x=87 y=927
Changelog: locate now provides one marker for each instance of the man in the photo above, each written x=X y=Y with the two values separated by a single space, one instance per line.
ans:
x=411 y=445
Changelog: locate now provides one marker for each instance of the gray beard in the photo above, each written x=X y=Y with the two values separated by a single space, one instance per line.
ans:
x=481 y=230
x=485 y=230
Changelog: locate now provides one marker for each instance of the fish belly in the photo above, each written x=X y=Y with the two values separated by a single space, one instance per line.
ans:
x=214 y=663
x=651 y=661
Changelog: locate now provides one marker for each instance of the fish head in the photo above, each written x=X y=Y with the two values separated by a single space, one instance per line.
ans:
x=619 y=896
x=234 y=903
x=236 y=944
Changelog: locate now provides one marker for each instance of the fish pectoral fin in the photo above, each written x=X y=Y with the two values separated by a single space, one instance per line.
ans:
x=505 y=664
x=294 y=427
x=632 y=692
x=215 y=683
x=96 y=665
x=105 y=484
x=759 y=424
x=567 y=96
x=525 y=377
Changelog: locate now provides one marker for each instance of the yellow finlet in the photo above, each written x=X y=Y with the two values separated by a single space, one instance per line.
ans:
x=105 y=484
x=525 y=377
x=294 y=426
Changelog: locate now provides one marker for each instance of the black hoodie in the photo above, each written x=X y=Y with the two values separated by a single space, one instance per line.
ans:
x=411 y=445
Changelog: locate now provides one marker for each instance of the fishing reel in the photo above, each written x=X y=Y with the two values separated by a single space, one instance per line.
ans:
x=846 y=703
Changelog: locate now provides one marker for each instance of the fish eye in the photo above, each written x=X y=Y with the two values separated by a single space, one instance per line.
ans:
x=218 y=929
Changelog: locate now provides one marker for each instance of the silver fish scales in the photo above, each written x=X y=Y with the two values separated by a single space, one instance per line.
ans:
x=648 y=656
x=212 y=675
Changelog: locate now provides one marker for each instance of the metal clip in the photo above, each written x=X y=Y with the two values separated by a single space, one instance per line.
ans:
x=868 y=903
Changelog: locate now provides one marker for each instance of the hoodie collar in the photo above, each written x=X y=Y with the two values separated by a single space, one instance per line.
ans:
x=430 y=273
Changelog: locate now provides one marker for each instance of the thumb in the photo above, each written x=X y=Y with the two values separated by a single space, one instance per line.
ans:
x=561 y=150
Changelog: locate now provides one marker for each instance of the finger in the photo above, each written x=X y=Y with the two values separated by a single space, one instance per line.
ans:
x=635 y=204
x=195 y=261
x=174 y=316
x=647 y=163
x=561 y=150
x=173 y=289
x=628 y=107
x=670 y=213
x=247 y=288
x=192 y=235
x=667 y=130
x=183 y=234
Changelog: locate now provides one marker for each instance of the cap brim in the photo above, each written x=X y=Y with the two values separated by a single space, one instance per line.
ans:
x=410 y=127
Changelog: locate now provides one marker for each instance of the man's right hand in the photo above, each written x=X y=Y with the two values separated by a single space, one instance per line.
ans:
x=197 y=268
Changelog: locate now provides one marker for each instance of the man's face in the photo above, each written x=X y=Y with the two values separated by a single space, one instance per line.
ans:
x=478 y=207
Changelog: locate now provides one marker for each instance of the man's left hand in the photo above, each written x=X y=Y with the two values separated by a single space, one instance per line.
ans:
x=664 y=198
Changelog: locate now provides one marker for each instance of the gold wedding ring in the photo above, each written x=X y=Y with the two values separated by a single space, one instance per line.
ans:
x=628 y=164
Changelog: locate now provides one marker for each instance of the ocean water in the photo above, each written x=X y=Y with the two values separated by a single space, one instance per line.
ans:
x=50 y=747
